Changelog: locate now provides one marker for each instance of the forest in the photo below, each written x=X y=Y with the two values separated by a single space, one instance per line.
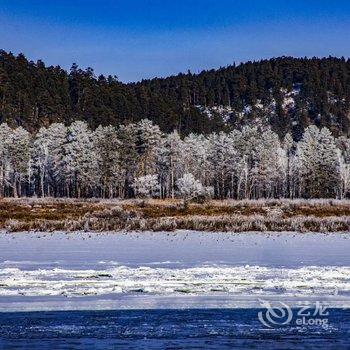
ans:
x=139 y=160
x=283 y=94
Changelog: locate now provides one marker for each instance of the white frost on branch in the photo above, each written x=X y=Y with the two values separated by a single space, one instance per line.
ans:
x=146 y=186
x=189 y=187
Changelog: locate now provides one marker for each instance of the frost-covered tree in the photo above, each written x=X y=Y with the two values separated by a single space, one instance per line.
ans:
x=146 y=186
x=223 y=160
x=48 y=159
x=344 y=171
x=81 y=163
x=268 y=173
x=288 y=147
x=107 y=148
x=329 y=165
x=6 y=135
x=196 y=157
x=344 y=165
x=189 y=187
x=128 y=157
x=57 y=134
x=128 y=160
x=318 y=163
x=246 y=144
x=41 y=158
x=173 y=154
x=20 y=161
x=148 y=146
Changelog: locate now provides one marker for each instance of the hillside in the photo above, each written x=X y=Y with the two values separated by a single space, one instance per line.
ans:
x=285 y=93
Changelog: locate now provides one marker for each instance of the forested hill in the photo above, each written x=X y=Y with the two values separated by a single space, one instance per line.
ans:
x=285 y=93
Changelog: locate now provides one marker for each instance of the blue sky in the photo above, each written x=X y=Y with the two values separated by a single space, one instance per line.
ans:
x=143 y=39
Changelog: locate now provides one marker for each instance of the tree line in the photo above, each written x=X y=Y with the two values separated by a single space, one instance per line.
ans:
x=139 y=160
x=34 y=95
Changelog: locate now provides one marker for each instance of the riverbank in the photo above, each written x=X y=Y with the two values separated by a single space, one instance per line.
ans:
x=53 y=214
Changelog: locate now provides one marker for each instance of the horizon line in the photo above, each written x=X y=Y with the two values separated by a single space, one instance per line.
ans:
x=234 y=63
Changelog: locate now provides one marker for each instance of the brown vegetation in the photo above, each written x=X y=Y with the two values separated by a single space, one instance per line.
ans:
x=50 y=214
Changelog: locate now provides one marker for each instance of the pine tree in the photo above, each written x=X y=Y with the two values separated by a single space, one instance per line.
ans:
x=6 y=135
x=20 y=161
x=80 y=160
x=173 y=159
x=149 y=139
x=107 y=147
x=318 y=161
x=109 y=162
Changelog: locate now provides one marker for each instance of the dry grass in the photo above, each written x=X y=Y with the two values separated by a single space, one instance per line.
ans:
x=51 y=214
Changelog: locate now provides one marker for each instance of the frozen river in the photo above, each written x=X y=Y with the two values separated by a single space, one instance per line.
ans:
x=174 y=290
x=171 y=270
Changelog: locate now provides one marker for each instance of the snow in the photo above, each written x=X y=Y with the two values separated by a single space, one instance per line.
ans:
x=83 y=269
x=225 y=112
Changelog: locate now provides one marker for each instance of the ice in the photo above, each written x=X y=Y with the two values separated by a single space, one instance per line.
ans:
x=145 y=269
x=203 y=280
